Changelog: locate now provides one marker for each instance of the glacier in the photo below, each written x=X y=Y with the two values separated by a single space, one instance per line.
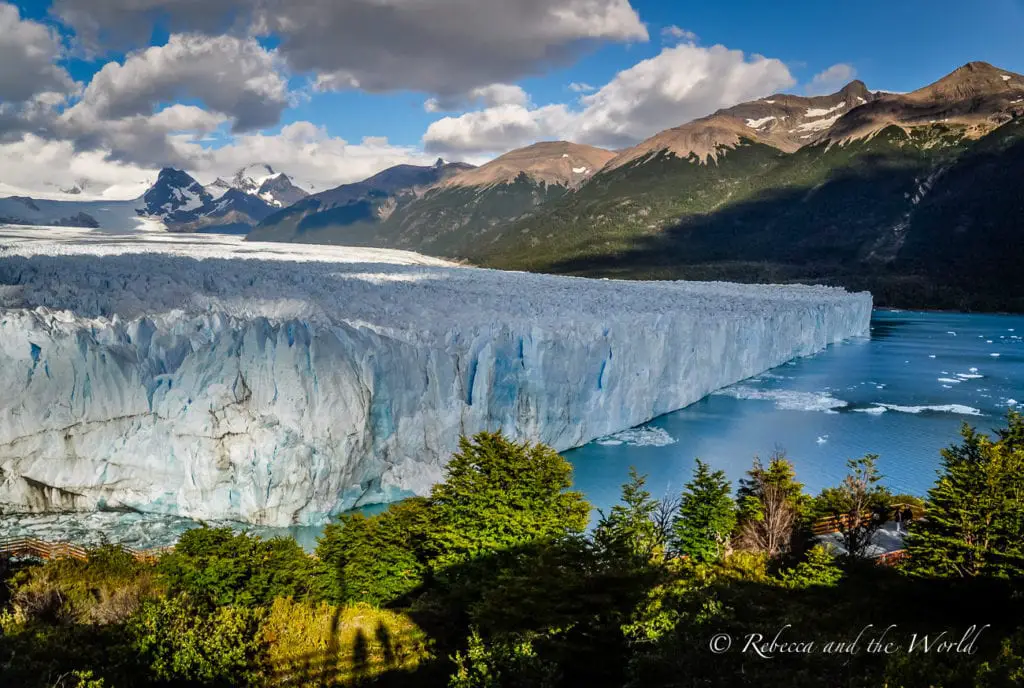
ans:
x=210 y=378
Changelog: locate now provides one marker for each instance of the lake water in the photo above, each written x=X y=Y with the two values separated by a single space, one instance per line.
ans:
x=901 y=393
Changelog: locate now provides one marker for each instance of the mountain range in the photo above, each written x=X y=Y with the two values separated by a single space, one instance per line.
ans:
x=175 y=201
x=915 y=196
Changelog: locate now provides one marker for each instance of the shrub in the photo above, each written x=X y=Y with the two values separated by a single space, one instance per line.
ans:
x=182 y=642
x=220 y=567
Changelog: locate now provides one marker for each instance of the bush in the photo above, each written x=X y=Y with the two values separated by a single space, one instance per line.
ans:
x=182 y=642
x=219 y=567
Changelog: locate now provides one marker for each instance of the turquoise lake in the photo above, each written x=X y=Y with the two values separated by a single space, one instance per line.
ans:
x=902 y=393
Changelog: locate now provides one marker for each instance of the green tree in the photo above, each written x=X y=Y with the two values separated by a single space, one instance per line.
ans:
x=498 y=495
x=706 y=517
x=378 y=559
x=220 y=567
x=629 y=534
x=773 y=508
x=859 y=506
x=974 y=521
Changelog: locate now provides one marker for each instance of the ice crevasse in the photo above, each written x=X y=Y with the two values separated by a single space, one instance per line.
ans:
x=279 y=385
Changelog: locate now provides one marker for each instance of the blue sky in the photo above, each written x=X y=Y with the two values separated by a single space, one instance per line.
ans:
x=498 y=71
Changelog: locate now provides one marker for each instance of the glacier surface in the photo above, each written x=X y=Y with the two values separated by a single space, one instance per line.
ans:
x=211 y=378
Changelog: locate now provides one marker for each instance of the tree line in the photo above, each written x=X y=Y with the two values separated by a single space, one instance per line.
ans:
x=495 y=580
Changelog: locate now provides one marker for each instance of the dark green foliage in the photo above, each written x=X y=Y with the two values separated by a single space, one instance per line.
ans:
x=498 y=495
x=706 y=518
x=818 y=568
x=219 y=567
x=378 y=559
x=860 y=505
x=506 y=663
x=975 y=513
x=628 y=534
x=187 y=644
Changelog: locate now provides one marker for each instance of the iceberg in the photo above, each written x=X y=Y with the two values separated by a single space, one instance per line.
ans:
x=210 y=378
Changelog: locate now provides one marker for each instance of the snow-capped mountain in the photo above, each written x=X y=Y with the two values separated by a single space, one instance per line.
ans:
x=175 y=197
x=260 y=179
x=186 y=206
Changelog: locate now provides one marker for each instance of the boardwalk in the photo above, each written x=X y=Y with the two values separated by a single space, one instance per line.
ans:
x=29 y=547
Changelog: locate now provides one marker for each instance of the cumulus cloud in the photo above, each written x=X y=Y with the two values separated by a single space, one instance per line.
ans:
x=28 y=51
x=485 y=96
x=675 y=33
x=680 y=84
x=831 y=79
x=235 y=77
x=41 y=167
x=446 y=47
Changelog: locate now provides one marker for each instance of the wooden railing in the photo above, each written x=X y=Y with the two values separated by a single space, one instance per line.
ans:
x=41 y=549
x=828 y=524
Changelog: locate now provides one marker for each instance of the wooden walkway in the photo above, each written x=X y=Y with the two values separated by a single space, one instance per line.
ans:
x=35 y=548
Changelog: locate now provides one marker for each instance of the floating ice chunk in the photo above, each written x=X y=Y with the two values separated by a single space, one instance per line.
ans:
x=958 y=409
x=949 y=380
x=873 y=410
x=994 y=355
x=931 y=355
x=969 y=376
x=973 y=370
x=639 y=437
x=952 y=333
x=1011 y=402
x=823 y=439
x=785 y=399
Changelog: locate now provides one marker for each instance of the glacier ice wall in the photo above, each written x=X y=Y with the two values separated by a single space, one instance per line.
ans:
x=210 y=378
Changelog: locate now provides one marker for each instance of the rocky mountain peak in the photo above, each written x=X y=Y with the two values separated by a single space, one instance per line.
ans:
x=548 y=162
x=975 y=98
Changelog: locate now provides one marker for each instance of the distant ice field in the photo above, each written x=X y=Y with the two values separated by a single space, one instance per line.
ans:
x=207 y=377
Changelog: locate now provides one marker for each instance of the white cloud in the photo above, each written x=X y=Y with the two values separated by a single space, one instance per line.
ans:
x=231 y=76
x=580 y=87
x=831 y=79
x=680 y=84
x=445 y=47
x=675 y=33
x=484 y=96
x=305 y=151
x=42 y=167
x=28 y=51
